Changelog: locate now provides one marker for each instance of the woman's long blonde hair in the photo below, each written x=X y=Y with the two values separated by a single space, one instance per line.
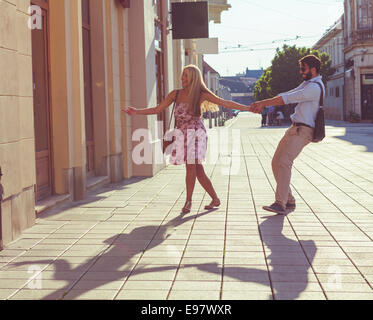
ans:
x=196 y=87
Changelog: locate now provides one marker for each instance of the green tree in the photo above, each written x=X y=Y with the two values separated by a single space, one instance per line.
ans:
x=283 y=75
x=262 y=89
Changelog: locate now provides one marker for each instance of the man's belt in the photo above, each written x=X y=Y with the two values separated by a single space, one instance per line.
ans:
x=300 y=124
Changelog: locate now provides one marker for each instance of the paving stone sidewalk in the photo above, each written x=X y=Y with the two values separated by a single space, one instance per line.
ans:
x=129 y=240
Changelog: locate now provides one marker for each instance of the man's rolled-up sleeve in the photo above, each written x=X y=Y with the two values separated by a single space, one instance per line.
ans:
x=308 y=93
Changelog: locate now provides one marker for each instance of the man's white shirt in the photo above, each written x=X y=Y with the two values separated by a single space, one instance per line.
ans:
x=307 y=95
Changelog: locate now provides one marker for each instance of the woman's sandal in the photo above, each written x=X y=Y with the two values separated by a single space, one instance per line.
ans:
x=187 y=207
x=214 y=203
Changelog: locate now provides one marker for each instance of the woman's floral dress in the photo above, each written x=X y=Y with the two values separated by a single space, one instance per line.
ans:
x=190 y=143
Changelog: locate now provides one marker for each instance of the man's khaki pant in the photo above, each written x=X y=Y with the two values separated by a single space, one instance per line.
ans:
x=290 y=146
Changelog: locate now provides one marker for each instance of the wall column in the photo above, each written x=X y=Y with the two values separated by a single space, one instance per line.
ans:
x=123 y=57
x=113 y=90
x=67 y=96
x=143 y=76
x=99 y=97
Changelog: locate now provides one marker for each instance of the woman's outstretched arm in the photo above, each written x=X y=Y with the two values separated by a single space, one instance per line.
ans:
x=225 y=103
x=158 y=109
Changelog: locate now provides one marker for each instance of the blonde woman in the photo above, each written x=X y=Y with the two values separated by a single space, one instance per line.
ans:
x=191 y=148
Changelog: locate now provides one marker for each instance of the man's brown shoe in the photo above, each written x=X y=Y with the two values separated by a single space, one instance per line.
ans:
x=275 y=207
x=290 y=206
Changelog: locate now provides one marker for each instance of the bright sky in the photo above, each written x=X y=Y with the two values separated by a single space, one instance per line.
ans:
x=264 y=25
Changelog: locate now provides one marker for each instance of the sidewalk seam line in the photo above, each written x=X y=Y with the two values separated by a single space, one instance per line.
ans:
x=257 y=221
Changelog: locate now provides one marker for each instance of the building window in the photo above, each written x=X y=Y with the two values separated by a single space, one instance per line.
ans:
x=331 y=92
x=337 y=92
x=364 y=14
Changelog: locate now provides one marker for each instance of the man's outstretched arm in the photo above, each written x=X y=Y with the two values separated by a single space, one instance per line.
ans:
x=258 y=106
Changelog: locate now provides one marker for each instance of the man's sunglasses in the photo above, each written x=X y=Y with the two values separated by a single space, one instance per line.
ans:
x=302 y=69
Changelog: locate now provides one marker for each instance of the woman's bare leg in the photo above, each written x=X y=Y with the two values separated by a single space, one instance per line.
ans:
x=205 y=181
x=190 y=180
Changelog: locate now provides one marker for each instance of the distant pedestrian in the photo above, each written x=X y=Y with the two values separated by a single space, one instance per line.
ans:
x=300 y=134
x=190 y=149
x=279 y=118
x=264 y=117
x=271 y=110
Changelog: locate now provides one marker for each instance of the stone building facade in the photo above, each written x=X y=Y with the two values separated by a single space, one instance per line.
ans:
x=358 y=40
x=332 y=43
x=68 y=68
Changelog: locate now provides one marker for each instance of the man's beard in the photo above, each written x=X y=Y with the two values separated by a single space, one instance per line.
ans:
x=307 y=76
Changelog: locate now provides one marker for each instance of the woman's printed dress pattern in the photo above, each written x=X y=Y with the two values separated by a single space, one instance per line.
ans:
x=190 y=143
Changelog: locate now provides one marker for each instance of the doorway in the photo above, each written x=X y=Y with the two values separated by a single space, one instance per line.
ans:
x=367 y=97
x=41 y=90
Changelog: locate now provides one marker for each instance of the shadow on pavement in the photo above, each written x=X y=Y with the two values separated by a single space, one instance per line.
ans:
x=122 y=248
x=289 y=272
x=360 y=137
x=356 y=133
x=288 y=275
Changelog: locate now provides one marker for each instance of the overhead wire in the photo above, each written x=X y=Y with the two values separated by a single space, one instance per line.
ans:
x=273 y=41
x=250 y=2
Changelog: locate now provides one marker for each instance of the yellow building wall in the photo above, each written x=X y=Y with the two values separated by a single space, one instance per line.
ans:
x=17 y=151
x=123 y=74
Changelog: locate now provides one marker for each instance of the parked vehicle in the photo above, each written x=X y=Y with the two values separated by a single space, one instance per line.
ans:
x=235 y=112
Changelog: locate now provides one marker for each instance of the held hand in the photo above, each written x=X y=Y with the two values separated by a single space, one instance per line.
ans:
x=256 y=107
x=130 y=111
